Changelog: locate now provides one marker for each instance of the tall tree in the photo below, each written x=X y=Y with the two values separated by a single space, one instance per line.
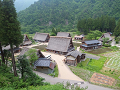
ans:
x=12 y=34
x=2 y=55
x=117 y=29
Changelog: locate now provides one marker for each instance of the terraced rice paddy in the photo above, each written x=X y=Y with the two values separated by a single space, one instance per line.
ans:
x=114 y=61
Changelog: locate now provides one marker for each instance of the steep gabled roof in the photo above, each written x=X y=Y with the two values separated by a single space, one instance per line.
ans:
x=91 y=41
x=43 y=62
x=26 y=40
x=25 y=49
x=74 y=53
x=105 y=35
x=63 y=34
x=59 y=43
x=40 y=36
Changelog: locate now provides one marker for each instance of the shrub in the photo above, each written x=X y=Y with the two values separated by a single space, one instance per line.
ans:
x=106 y=45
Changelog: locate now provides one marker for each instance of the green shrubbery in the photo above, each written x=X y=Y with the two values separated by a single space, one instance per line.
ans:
x=55 y=73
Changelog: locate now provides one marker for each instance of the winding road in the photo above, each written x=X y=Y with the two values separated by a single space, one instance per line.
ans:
x=65 y=74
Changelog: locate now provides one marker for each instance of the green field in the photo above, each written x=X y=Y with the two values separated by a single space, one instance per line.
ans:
x=114 y=61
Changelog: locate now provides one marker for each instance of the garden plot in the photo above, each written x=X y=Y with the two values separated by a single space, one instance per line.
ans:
x=114 y=61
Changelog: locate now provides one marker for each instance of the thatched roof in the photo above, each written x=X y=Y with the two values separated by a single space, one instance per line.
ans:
x=26 y=40
x=63 y=34
x=41 y=36
x=105 y=35
x=59 y=43
x=25 y=49
x=74 y=53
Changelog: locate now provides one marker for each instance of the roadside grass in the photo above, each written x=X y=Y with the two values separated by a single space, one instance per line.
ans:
x=55 y=73
x=82 y=73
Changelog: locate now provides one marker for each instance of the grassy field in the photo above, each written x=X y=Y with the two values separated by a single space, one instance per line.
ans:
x=82 y=73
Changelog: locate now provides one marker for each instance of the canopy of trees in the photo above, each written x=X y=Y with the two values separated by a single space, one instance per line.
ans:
x=103 y=23
x=43 y=15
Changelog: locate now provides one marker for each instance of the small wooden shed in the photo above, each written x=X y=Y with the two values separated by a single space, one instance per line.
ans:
x=74 y=57
x=44 y=65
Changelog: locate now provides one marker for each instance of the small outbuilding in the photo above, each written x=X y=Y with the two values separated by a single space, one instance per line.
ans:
x=91 y=44
x=63 y=34
x=81 y=37
x=60 y=45
x=105 y=35
x=44 y=65
x=74 y=57
x=41 y=37
x=26 y=41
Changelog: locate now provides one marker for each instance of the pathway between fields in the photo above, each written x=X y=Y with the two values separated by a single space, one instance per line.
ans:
x=64 y=71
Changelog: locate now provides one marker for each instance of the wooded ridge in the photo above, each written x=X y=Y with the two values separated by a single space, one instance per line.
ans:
x=64 y=14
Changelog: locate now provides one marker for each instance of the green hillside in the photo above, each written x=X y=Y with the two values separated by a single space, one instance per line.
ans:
x=43 y=15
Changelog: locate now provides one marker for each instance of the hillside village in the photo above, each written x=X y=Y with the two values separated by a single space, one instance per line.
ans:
x=83 y=54
x=62 y=45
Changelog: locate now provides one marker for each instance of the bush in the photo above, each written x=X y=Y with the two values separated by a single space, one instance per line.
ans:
x=106 y=45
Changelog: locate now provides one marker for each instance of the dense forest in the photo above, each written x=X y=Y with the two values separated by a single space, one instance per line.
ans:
x=43 y=15
x=23 y=4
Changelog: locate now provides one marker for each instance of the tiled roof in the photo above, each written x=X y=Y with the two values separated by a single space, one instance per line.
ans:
x=59 y=43
x=74 y=53
x=40 y=36
x=63 y=34
x=91 y=42
x=44 y=62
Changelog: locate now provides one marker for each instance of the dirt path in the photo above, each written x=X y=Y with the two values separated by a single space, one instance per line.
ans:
x=64 y=71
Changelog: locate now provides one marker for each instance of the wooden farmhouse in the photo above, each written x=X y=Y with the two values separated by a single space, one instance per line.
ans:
x=74 y=57
x=92 y=44
x=15 y=49
x=43 y=64
x=60 y=45
x=81 y=37
x=41 y=37
x=105 y=35
x=26 y=41
x=63 y=34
